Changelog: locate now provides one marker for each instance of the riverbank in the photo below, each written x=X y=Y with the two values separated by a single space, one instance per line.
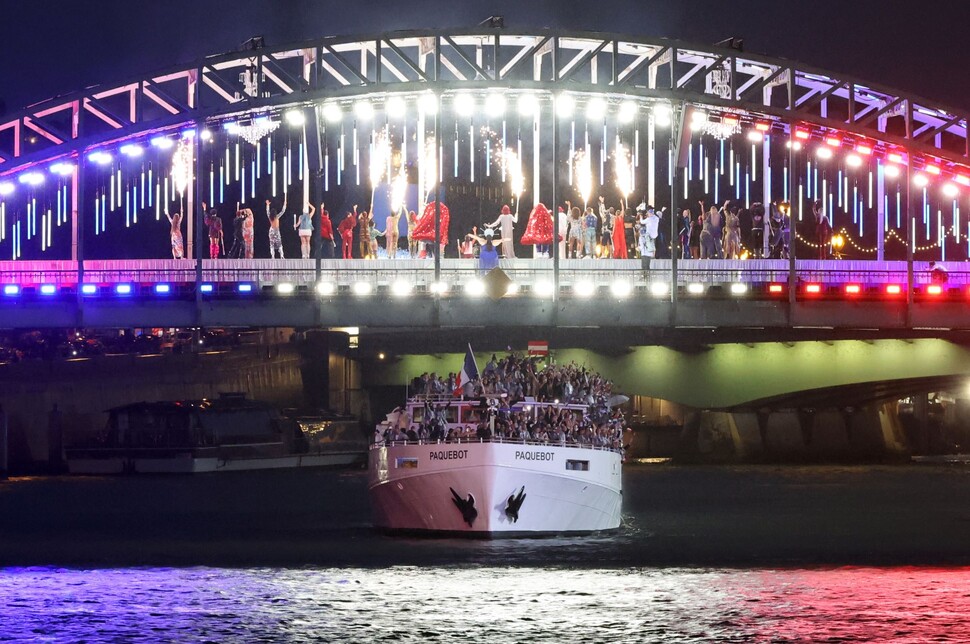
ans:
x=674 y=516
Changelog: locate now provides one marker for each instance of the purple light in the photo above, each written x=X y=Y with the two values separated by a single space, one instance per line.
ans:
x=245 y=288
x=48 y=289
x=206 y=288
x=11 y=289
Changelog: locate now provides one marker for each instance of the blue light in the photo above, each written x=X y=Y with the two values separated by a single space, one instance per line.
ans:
x=11 y=289
x=163 y=289
x=245 y=288
x=48 y=289
x=206 y=288
x=123 y=289
x=89 y=289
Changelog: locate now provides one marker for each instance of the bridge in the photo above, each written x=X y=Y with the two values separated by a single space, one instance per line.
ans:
x=474 y=119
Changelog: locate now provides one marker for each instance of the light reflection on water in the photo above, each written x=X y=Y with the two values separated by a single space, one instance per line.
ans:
x=484 y=603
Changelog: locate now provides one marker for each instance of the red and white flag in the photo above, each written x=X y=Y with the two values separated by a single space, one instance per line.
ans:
x=469 y=371
x=538 y=348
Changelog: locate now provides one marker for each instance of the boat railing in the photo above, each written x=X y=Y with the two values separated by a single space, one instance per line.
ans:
x=496 y=439
x=448 y=398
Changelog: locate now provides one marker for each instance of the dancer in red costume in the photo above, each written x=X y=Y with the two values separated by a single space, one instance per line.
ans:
x=538 y=230
x=346 y=230
x=619 y=233
x=424 y=231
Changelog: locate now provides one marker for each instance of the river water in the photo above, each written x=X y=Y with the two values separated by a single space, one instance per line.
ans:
x=729 y=554
x=484 y=604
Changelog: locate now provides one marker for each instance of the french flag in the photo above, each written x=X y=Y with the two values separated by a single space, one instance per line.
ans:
x=469 y=371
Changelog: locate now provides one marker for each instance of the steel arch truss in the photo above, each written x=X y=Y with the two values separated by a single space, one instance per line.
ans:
x=269 y=78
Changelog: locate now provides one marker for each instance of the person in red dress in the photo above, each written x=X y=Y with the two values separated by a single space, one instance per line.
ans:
x=538 y=230
x=619 y=233
x=346 y=230
x=326 y=234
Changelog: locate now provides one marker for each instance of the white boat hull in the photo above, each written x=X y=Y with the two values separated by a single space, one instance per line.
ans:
x=411 y=488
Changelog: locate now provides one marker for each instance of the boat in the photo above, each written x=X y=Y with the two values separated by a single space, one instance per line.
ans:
x=490 y=486
x=229 y=433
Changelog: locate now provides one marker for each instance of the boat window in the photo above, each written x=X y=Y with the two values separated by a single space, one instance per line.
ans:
x=582 y=466
x=407 y=463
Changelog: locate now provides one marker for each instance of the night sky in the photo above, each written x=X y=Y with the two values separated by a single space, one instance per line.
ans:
x=51 y=48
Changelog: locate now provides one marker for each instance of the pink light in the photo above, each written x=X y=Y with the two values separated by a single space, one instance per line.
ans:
x=833 y=141
x=896 y=158
x=933 y=169
x=801 y=134
x=853 y=289
x=893 y=289
x=863 y=149
x=815 y=289
x=962 y=179
x=892 y=171
x=934 y=289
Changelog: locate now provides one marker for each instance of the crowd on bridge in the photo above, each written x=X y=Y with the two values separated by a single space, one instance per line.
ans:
x=517 y=400
x=726 y=231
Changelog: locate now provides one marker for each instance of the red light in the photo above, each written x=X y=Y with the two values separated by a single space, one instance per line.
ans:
x=853 y=289
x=896 y=158
x=933 y=169
x=762 y=127
x=962 y=179
x=863 y=149
x=801 y=134
x=813 y=288
x=893 y=289
x=934 y=289
x=775 y=288
x=833 y=141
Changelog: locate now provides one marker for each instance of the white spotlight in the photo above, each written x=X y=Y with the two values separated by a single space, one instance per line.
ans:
x=495 y=105
x=163 y=143
x=528 y=104
x=31 y=178
x=464 y=104
x=131 y=150
x=739 y=289
x=659 y=289
x=794 y=145
x=661 y=115
x=332 y=113
x=101 y=158
x=326 y=288
x=6 y=189
x=755 y=136
x=823 y=152
x=698 y=119
x=544 y=288
x=892 y=171
x=565 y=105
x=584 y=289
x=921 y=181
x=695 y=289
x=63 y=169
x=364 y=110
x=231 y=128
x=396 y=107
x=627 y=112
x=285 y=288
x=362 y=288
x=400 y=288
x=951 y=190
x=596 y=108
x=853 y=161
x=428 y=103
x=475 y=288
x=294 y=118
x=621 y=288
x=438 y=288
x=512 y=288
x=206 y=135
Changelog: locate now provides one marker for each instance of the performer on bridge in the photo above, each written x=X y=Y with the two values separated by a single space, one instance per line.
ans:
x=363 y=234
x=247 y=233
x=327 y=246
x=619 y=232
x=346 y=230
x=607 y=215
x=506 y=221
x=236 y=250
x=414 y=245
x=176 y=233
x=304 y=225
x=823 y=230
x=392 y=234
x=214 y=223
x=275 y=241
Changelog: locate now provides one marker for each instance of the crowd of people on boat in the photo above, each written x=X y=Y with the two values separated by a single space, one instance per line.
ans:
x=728 y=231
x=517 y=399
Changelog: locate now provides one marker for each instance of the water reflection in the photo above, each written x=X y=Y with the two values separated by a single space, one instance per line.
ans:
x=474 y=603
